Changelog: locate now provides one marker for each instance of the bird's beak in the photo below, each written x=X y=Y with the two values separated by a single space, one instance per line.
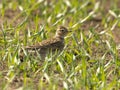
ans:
x=70 y=31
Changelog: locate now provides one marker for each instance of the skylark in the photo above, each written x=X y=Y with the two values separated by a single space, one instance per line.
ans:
x=53 y=44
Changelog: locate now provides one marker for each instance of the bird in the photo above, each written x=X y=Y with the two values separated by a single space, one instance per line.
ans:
x=53 y=44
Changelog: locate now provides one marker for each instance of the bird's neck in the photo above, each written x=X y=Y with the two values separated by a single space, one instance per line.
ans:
x=59 y=36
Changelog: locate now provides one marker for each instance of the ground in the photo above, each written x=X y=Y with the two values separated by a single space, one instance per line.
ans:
x=91 y=59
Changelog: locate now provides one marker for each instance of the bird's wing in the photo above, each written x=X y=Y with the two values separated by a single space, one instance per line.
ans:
x=50 y=43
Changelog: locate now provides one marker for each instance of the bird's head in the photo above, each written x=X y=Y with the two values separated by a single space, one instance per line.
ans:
x=61 y=32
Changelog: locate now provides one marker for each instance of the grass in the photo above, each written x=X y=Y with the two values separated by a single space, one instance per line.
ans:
x=90 y=60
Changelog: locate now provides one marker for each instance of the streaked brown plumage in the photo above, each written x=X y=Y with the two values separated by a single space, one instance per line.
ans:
x=52 y=44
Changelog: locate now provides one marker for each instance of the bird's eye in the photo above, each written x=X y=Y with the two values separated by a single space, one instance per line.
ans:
x=62 y=30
